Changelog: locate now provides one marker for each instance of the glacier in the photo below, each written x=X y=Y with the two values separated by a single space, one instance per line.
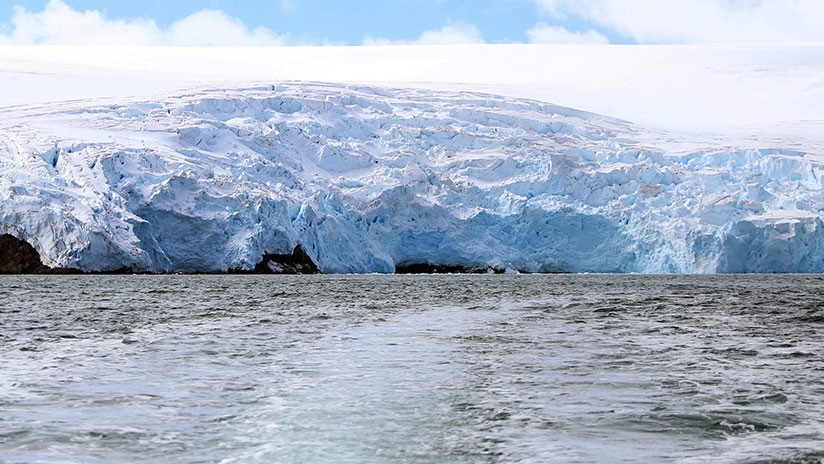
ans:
x=371 y=178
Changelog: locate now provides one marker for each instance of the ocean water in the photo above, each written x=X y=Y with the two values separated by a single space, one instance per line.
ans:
x=411 y=369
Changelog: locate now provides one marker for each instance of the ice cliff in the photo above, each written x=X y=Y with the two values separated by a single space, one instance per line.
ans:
x=365 y=179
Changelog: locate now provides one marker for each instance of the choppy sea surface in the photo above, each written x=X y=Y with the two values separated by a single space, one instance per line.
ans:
x=412 y=369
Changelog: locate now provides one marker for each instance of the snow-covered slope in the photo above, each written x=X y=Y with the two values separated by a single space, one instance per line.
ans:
x=662 y=85
x=368 y=178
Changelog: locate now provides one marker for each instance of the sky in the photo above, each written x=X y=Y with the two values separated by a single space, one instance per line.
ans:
x=391 y=22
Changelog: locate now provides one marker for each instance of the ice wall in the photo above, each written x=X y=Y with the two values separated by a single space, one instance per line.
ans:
x=368 y=178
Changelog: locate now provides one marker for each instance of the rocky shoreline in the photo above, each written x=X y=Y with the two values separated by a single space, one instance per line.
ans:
x=19 y=257
x=427 y=268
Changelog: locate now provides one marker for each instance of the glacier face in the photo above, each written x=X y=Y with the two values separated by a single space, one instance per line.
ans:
x=368 y=178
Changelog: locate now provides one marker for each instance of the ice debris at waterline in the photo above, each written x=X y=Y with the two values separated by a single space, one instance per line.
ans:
x=365 y=179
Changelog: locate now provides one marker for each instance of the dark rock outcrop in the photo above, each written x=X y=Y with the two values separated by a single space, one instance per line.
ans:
x=296 y=263
x=19 y=257
x=426 y=268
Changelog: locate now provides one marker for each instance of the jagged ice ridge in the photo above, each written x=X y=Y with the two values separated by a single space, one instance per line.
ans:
x=367 y=178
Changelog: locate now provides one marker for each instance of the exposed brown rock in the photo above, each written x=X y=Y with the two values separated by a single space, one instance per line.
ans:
x=426 y=268
x=296 y=263
x=19 y=257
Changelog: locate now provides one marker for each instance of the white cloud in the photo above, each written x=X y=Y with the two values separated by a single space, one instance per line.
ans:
x=458 y=33
x=287 y=5
x=544 y=33
x=59 y=24
x=700 y=21
x=214 y=27
x=453 y=34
